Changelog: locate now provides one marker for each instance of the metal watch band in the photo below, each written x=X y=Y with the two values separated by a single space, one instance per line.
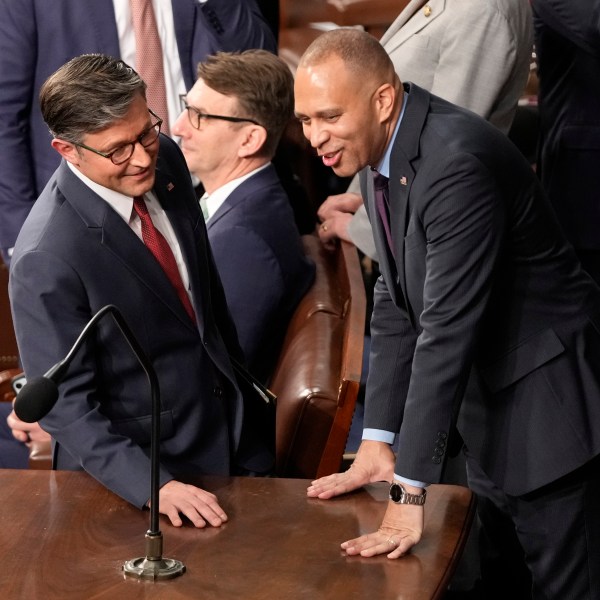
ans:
x=399 y=495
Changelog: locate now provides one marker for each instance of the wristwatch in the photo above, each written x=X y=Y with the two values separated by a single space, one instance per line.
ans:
x=399 y=495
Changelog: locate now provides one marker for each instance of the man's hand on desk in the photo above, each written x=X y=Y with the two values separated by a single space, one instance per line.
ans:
x=196 y=504
x=26 y=432
x=374 y=462
x=401 y=529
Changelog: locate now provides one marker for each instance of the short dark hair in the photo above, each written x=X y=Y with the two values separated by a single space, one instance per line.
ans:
x=87 y=94
x=358 y=50
x=262 y=84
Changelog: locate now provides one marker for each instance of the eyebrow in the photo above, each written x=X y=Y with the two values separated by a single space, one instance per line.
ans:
x=116 y=145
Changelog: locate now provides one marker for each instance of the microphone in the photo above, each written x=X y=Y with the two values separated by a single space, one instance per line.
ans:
x=37 y=398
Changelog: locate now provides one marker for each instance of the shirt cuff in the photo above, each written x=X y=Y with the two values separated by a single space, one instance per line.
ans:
x=400 y=479
x=378 y=435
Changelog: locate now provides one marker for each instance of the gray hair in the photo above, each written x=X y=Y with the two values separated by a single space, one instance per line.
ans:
x=87 y=94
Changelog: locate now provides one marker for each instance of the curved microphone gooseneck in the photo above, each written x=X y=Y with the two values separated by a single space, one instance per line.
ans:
x=36 y=399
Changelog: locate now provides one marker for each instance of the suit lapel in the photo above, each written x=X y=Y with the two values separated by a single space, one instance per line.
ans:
x=112 y=232
x=185 y=230
x=404 y=156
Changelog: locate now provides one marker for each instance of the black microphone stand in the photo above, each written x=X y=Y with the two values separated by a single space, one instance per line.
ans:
x=153 y=565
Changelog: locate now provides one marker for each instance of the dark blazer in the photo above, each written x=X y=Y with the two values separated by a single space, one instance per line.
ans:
x=74 y=255
x=482 y=299
x=259 y=256
x=36 y=39
x=567 y=36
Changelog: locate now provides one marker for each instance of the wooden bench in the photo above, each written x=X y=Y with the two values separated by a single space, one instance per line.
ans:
x=317 y=376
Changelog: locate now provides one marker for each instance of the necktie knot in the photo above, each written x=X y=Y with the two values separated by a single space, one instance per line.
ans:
x=380 y=181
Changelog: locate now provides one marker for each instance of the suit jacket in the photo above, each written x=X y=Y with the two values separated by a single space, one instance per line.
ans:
x=36 y=39
x=473 y=53
x=481 y=298
x=259 y=256
x=568 y=49
x=74 y=255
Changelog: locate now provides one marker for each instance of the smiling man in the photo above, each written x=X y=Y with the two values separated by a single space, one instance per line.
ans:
x=483 y=321
x=231 y=124
x=119 y=223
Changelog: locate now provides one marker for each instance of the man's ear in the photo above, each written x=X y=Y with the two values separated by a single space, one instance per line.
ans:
x=255 y=137
x=67 y=150
x=385 y=96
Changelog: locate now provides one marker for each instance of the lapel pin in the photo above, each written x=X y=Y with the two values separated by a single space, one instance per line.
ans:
x=403 y=180
x=170 y=186
x=427 y=10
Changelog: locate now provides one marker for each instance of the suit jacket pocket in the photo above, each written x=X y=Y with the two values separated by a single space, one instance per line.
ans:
x=139 y=429
x=522 y=360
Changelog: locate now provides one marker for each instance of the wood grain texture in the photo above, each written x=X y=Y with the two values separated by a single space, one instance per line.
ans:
x=63 y=536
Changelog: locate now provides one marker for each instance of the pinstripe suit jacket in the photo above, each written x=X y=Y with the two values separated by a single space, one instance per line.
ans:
x=482 y=311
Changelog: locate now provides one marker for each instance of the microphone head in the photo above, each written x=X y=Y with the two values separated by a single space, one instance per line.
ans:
x=36 y=399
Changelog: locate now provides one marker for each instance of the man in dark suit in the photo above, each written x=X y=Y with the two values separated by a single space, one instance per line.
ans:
x=567 y=38
x=231 y=124
x=483 y=318
x=121 y=192
x=36 y=39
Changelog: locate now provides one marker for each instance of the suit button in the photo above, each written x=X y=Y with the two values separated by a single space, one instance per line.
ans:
x=442 y=435
x=218 y=392
x=436 y=459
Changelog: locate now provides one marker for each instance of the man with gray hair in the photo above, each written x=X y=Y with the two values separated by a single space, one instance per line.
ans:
x=119 y=223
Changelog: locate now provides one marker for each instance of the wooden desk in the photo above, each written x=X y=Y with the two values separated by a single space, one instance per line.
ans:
x=63 y=536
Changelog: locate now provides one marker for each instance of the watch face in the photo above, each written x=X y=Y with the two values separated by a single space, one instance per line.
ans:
x=396 y=492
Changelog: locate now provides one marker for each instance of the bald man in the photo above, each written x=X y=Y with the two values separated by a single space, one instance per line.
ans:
x=483 y=321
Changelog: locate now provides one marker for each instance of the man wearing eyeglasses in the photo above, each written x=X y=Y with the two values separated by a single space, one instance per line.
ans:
x=119 y=223
x=230 y=126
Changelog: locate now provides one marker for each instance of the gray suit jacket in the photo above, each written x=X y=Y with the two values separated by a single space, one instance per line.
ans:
x=74 y=255
x=473 y=53
x=481 y=299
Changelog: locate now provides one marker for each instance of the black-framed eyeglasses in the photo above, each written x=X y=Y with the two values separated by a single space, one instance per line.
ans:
x=195 y=116
x=123 y=153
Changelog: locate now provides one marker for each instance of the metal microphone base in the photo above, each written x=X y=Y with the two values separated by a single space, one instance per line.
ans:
x=144 y=568
x=153 y=565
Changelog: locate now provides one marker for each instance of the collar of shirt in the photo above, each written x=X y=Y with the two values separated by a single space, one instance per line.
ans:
x=384 y=165
x=214 y=200
x=123 y=205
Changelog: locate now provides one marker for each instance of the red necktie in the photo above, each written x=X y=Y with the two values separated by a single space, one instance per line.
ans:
x=149 y=58
x=158 y=245
x=382 y=204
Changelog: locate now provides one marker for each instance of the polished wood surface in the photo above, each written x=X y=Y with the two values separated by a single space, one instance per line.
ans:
x=64 y=536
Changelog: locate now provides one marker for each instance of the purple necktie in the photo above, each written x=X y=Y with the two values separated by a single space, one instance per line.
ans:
x=382 y=203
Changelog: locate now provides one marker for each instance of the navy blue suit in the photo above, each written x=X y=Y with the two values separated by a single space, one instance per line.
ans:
x=259 y=256
x=37 y=37
x=74 y=255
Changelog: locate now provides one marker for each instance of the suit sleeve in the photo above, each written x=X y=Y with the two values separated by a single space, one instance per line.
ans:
x=236 y=25
x=17 y=66
x=463 y=219
x=576 y=20
x=49 y=316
